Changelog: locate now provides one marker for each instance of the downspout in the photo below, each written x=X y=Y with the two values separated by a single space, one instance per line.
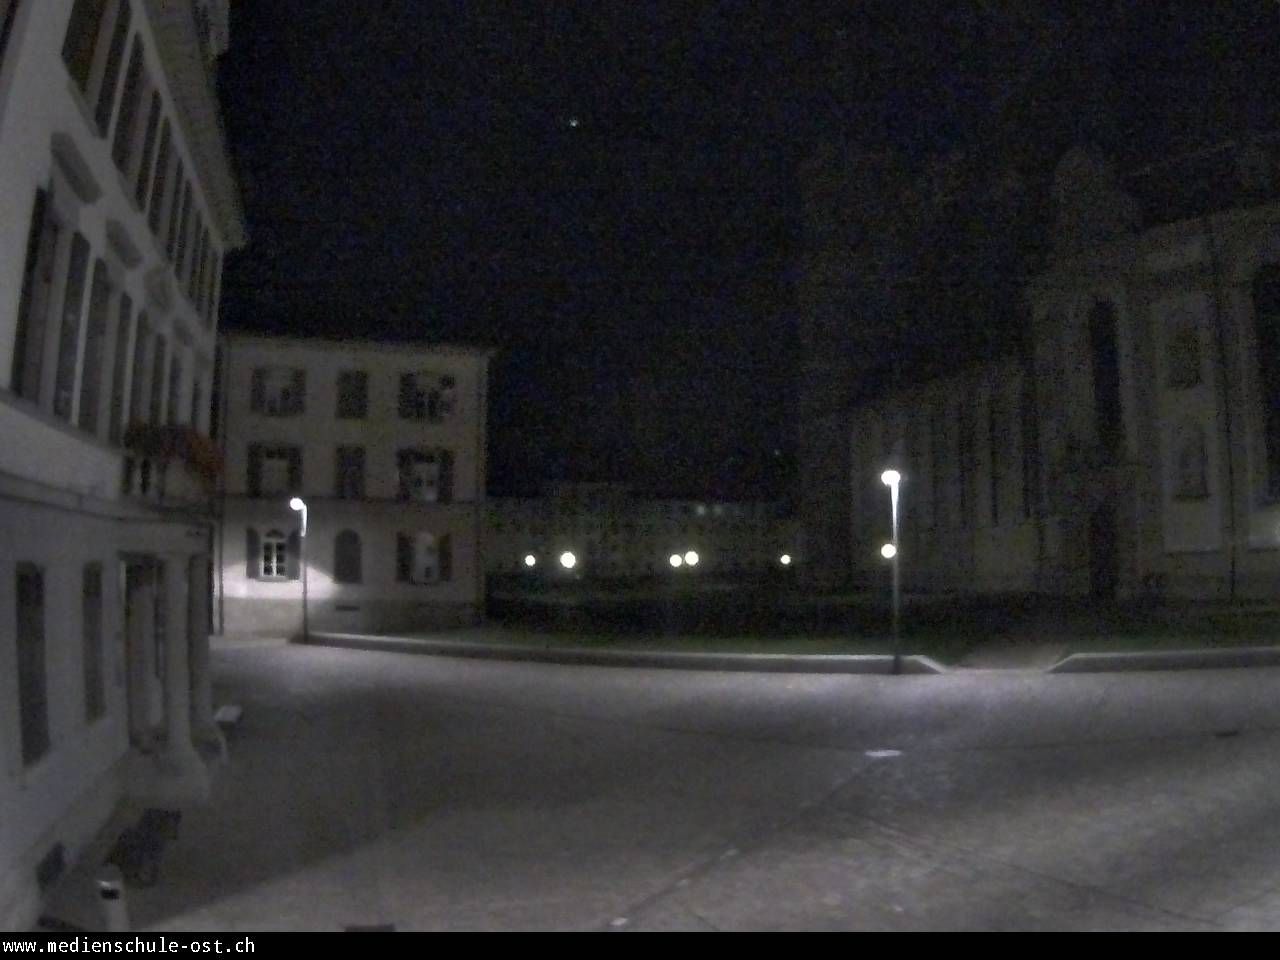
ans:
x=222 y=484
x=1215 y=267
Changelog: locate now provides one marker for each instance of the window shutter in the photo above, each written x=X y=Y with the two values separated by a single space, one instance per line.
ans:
x=404 y=558
x=255 y=470
x=295 y=470
x=293 y=556
x=445 y=557
x=253 y=554
x=446 y=476
x=257 y=391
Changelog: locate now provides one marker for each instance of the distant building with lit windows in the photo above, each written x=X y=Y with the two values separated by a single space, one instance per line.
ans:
x=385 y=443
x=614 y=534
x=118 y=206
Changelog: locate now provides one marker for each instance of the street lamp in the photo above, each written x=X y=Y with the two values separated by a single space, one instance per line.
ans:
x=892 y=479
x=298 y=505
x=691 y=558
x=530 y=560
x=785 y=559
x=676 y=560
x=567 y=560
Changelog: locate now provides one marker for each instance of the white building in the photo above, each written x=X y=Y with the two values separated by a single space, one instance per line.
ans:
x=615 y=535
x=117 y=207
x=385 y=443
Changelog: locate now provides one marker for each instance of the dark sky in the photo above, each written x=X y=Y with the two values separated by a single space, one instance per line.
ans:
x=607 y=191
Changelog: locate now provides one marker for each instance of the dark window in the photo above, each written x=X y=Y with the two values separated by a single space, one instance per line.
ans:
x=278 y=391
x=69 y=337
x=145 y=164
x=95 y=691
x=172 y=235
x=94 y=345
x=1182 y=356
x=426 y=396
x=120 y=364
x=111 y=72
x=1266 y=306
x=274 y=470
x=184 y=228
x=157 y=379
x=33 y=703
x=964 y=453
x=353 y=395
x=160 y=181
x=197 y=400
x=127 y=117
x=1103 y=349
x=1030 y=447
x=141 y=343
x=348 y=481
x=424 y=558
x=34 y=303
x=82 y=37
x=171 y=412
x=1191 y=481
x=346 y=557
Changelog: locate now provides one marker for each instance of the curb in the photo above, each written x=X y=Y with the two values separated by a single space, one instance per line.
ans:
x=1168 y=660
x=572 y=656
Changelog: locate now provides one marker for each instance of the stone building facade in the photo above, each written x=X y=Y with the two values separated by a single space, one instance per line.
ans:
x=1147 y=434
x=117 y=208
x=385 y=443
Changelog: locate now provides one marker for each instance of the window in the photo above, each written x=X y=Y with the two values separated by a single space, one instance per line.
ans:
x=35 y=300
x=964 y=452
x=274 y=470
x=115 y=426
x=423 y=558
x=1190 y=479
x=348 y=480
x=111 y=72
x=160 y=179
x=130 y=102
x=81 y=38
x=1266 y=318
x=1182 y=356
x=1030 y=448
x=148 y=152
x=175 y=386
x=353 y=395
x=95 y=690
x=346 y=557
x=94 y=345
x=175 y=213
x=141 y=343
x=69 y=336
x=197 y=403
x=275 y=551
x=184 y=227
x=1104 y=352
x=993 y=440
x=426 y=396
x=33 y=703
x=278 y=391
x=157 y=379
x=425 y=475
x=8 y=13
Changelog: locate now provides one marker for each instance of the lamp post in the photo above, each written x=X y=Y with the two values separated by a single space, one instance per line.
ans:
x=298 y=505
x=891 y=479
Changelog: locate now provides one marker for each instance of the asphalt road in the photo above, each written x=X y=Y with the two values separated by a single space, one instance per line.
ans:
x=429 y=793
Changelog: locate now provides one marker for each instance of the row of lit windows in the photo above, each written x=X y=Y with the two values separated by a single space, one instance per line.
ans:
x=80 y=350
x=425 y=475
x=143 y=143
x=421 y=557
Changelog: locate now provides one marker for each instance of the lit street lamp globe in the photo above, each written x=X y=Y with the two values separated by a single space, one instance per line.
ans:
x=568 y=560
x=530 y=560
x=888 y=551
x=785 y=559
x=676 y=560
x=691 y=558
x=891 y=478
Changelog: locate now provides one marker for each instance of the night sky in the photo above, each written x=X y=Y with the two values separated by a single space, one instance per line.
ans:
x=608 y=193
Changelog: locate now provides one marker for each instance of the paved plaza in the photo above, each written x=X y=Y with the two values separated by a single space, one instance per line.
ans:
x=430 y=793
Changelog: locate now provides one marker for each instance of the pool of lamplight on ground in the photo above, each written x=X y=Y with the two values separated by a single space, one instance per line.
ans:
x=438 y=793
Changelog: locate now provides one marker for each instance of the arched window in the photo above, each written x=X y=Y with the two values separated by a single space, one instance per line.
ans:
x=347 y=562
x=1266 y=318
x=275 y=554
